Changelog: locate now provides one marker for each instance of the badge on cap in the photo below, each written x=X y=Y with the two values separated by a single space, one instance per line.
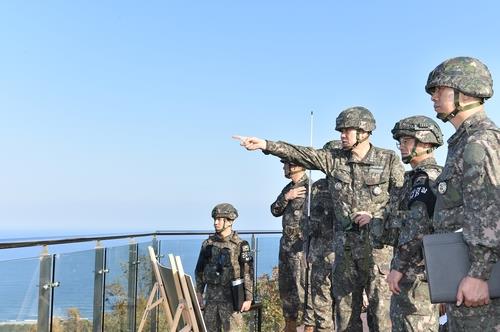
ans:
x=442 y=186
x=377 y=191
x=338 y=186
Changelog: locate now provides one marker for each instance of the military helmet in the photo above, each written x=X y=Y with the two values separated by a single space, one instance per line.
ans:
x=468 y=75
x=422 y=128
x=357 y=117
x=224 y=210
x=335 y=144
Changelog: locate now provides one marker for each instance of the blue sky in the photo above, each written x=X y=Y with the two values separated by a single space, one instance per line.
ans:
x=117 y=116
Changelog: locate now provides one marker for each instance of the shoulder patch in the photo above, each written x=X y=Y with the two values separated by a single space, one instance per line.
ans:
x=474 y=153
x=245 y=253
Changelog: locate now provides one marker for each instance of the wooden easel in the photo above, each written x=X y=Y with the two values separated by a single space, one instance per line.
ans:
x=183 y=294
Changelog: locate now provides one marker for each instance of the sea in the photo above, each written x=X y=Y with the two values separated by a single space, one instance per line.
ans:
x=74 y=272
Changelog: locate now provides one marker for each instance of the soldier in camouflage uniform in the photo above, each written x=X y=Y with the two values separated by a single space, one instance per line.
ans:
x=224 y=257
x=411 y=309
x=319 y=251
x=360 y=177
x=468 y=189
x=290 y=205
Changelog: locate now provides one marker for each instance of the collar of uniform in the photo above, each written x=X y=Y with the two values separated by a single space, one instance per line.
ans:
x=219 y=238
x=423 y=163
x=466 y=126
x=369 y=159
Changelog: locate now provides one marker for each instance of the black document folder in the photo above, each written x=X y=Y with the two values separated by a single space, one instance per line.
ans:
x=447 y=262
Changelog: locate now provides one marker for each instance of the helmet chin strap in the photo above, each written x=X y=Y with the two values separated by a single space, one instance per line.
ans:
x=358 y=140
x=414 y=153
x=225 y=226
x=458 y=108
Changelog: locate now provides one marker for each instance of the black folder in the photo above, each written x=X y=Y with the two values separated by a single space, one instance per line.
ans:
x=447 y=262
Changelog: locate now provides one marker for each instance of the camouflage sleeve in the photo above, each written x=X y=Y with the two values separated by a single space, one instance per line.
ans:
x=393 y=217
x=307 y=157
x=481 y=195
x=396 y=178
x=409 y=249
x=279 y=205
x=200 y=267
x=246 y=266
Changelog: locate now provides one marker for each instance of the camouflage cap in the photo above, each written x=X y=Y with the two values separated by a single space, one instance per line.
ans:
x=224 y=210
x=468 y=75
x=422 y=128
x=357 y=117
x=287 y=162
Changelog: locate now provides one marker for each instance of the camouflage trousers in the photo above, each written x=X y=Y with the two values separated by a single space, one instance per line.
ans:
x=321 y=295
x=291 y=280
x=411 y=309
x=352 y=277
x=484 y=318
x=378 y=292
x=219 y=316
x=308 y=307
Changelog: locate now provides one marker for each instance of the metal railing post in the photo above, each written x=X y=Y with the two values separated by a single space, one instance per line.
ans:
x=254 y=251
x=44 y=322
x=256 y=317
x=132 y=284
x=99 y=282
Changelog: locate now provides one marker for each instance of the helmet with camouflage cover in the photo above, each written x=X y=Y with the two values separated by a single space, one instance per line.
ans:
x=463 y=74
x=357 y=117
x=224 y=210
x=468 y=75
x=422 y=128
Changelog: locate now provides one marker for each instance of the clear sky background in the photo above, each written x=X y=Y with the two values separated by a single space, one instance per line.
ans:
x=117 y=116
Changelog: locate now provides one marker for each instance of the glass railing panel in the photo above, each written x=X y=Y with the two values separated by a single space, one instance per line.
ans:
x=116 y=304
x=73 y=298
x=19 y=294
x=144 y=283
x=266 y=255
x=187 y=248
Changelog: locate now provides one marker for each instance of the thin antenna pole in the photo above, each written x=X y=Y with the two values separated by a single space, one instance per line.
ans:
x=310 y=171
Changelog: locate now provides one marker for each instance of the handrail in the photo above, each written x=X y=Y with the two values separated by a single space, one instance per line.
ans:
x=21 y=243
x=48 y=270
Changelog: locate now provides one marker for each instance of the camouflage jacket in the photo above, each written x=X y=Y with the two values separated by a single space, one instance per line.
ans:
x=318 y=230
x=412 y=218
x=292 y=212
x=468 y=192
x=355 y=185
x=221 y=261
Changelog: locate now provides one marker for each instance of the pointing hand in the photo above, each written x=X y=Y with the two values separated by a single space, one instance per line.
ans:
x=251 y=143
